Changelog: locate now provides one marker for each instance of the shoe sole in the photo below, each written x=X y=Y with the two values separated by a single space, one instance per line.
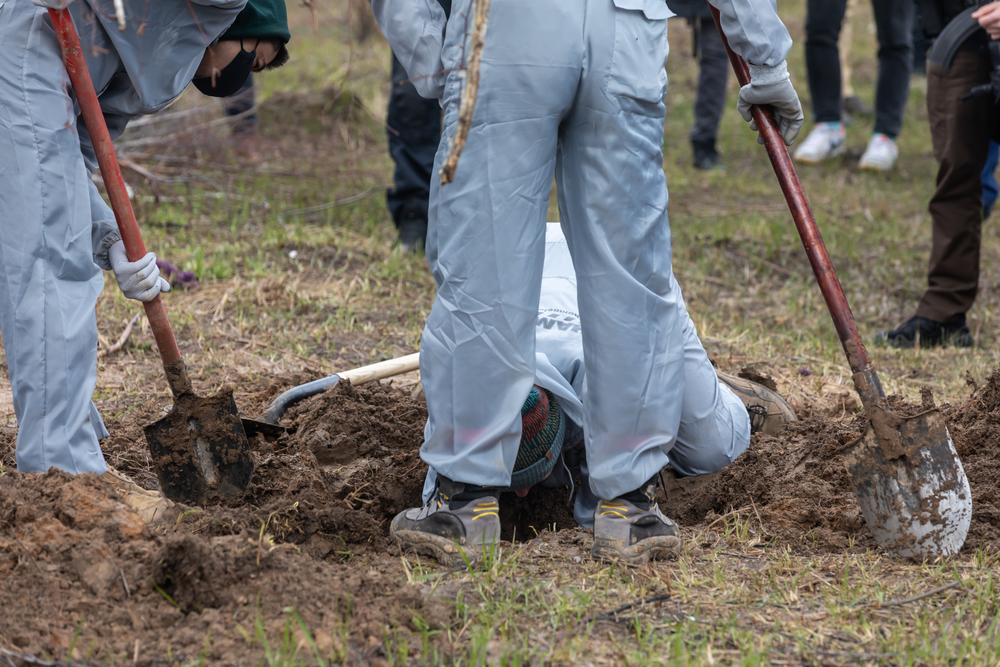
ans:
x=870 y=166
x=836 y=152
x=651 y=548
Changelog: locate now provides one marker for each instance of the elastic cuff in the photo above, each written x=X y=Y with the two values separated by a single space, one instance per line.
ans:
x=763 y=75
x=101 y=251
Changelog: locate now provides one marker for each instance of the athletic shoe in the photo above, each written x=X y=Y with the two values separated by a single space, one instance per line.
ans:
x=149 y=504
x=921 y=332
x=632 y=529
x=706 y=157
x=825 y=141
x=880 y=155
x=460 y=518
x=768 y=411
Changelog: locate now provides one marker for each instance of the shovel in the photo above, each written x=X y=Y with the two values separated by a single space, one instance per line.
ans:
x=906 y=474
x=269 y=424
x=199 y=449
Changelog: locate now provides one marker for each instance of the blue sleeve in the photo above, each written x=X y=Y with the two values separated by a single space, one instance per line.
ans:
x=415 y=30
x=754 y=30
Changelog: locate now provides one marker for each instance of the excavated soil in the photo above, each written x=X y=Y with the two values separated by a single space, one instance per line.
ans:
x=311 y=534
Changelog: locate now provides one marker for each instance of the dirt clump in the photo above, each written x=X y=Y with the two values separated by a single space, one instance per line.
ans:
x=306 y=548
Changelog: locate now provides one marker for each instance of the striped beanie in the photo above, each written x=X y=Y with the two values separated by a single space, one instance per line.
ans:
x=543 y=427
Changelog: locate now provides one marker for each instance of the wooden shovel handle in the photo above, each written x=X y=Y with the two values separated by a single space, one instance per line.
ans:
x=93 y=117
x=865 y=379
x=382 y=369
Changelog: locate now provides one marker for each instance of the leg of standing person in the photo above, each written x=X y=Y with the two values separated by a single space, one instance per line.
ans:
x=961 y=132
x=824 y=19
x=713 y=73
x=485 y=247
x=49 y=282
x=413 y=128
x=894 y=25
x=613 y=207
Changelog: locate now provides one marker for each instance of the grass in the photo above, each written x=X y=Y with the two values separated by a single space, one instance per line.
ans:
x=291 y=241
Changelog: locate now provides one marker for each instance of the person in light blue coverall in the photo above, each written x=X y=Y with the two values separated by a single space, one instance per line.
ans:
x=575 y=88
x=56 y=232
x=715 y=424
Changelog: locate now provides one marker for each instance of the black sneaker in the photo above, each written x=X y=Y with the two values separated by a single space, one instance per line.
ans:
x=412 y=225
x=459 y=517
x=922 y=332
x=706 y=157
x=632 y=529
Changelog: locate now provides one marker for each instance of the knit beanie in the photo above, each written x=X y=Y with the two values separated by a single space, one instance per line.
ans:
x=260 y=19
x=543 y=427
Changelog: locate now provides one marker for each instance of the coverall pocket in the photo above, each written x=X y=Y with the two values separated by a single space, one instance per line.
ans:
x=640 y=51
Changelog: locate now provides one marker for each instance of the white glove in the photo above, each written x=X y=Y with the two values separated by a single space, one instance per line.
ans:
x=52 y=4
x=137 y=280
x=769 y=86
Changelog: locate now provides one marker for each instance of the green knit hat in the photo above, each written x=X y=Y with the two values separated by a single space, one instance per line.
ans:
x=543 y=427
x=261 y=19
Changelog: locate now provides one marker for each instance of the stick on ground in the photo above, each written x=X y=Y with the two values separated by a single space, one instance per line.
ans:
x=468 y=103
x=121 y=339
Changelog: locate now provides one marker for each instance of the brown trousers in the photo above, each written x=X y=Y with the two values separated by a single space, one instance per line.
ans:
x=961 y=133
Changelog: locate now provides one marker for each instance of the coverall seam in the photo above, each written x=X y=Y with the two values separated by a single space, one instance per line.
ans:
x=38 y=151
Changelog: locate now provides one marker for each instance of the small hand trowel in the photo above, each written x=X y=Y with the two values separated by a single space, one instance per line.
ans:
x=199 y=449
x=906 y=474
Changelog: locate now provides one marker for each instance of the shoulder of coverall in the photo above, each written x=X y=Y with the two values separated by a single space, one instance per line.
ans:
x=143 y=68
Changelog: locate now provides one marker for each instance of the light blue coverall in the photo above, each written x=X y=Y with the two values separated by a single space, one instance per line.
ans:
x=575 y=88
x=714 y=426
x=55 y=230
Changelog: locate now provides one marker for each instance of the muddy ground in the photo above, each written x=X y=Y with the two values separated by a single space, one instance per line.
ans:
x=81 y=576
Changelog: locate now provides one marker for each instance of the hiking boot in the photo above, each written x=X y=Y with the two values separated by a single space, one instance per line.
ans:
x=921 y=332
x=825 y=141
x=459 y=518
x=412 y=225
x=880 y=155
x=149 y=504
x=768 y=411
x=706 y=157
x=632 y=529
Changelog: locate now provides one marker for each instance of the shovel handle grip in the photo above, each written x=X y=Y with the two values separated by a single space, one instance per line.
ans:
x=93 y=117
x=865 y=379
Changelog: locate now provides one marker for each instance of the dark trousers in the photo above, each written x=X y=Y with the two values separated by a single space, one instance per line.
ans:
x=414 y=131
x=961 y=133
x=713 y=66
x=894 y=25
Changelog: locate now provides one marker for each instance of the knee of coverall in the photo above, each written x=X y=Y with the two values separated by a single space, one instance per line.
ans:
x=709 y=445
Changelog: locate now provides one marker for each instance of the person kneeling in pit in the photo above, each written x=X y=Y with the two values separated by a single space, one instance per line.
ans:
x=720 y=412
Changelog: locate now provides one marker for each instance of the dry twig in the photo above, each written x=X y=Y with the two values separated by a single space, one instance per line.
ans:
x=468 y=103
x=121 y=339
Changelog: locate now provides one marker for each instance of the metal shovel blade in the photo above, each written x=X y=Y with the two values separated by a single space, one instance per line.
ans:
x=200 y=450
x=917 y=502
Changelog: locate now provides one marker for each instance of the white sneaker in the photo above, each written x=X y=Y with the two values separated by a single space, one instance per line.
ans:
x=880 y=155
x=825 y=141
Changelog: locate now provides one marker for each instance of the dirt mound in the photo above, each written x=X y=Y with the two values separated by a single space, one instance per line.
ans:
x=795 y=488
x=90 y=579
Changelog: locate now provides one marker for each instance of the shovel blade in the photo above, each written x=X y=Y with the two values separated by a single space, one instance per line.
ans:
x=919 y=504
x=200 y=450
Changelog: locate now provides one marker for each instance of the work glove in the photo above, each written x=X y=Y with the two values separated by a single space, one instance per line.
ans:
x=137 y=280
x=769 y=86
x=52 y=4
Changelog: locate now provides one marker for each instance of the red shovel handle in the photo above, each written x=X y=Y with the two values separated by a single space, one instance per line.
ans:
x=86 y=96
x=865 y=379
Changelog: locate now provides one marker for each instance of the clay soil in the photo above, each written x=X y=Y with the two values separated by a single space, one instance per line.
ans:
x=81 y=576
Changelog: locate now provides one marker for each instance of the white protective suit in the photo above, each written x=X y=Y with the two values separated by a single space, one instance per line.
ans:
x=575 y=88
x=714 y=424
x=55 y=230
